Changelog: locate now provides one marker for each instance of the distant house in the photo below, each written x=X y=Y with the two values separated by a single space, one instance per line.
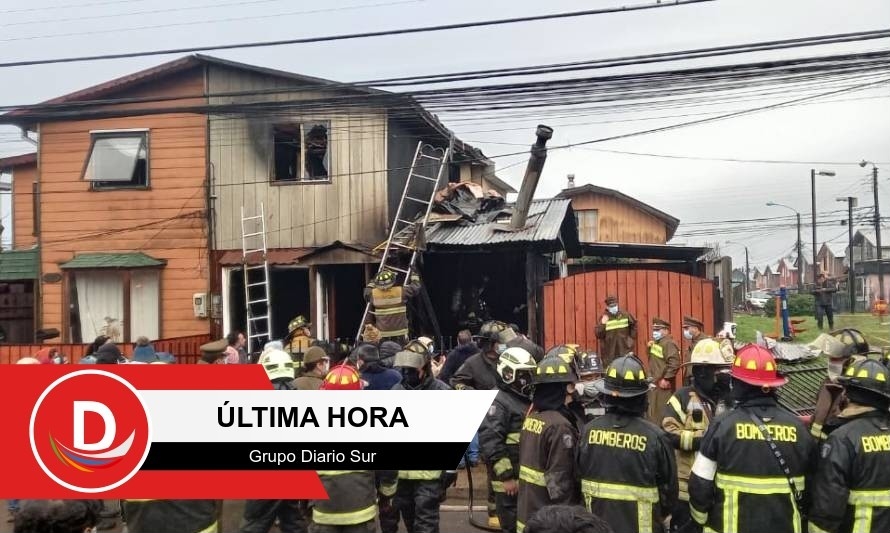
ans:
x=866 y=267
x=787 y=272
x=758 y=279
x=771 y=276
x=831 y=259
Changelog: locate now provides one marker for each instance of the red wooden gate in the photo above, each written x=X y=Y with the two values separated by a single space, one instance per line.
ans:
x=574 y=305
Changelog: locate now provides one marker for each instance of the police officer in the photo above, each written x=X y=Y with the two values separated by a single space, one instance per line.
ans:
x=617 y=331
x=260 y=515
x=351 y=506
x=693 y=331
x=420 y=491
x=389 y=304
x=626 y=466
x=690 y=410
x=664 y=362
x=750 y=473
x=851 y=486
x=548 y=441
x=499 y=433
x=299 y=338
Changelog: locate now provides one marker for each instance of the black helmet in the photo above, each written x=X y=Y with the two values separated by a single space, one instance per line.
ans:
x=554 y=369
x=853 y=340
x=495 y=331
x=868 y=375
x=625 y=378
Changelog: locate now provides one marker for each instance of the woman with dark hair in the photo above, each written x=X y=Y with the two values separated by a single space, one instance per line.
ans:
x=96 y=344
x=57 y=516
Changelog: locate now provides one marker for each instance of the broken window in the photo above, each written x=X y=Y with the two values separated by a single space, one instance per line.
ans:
x=117 y=160
x=300 y=152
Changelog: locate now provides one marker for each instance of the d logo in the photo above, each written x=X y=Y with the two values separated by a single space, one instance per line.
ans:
x=79 y=442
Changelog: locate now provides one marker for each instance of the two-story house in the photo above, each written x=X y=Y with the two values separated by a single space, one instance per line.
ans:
x=867 y=270
x=141 y=183
x=831 y=259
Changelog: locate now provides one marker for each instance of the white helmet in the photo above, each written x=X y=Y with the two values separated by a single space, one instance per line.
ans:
x=512 y=361
x=278 y=364
x=708 y=352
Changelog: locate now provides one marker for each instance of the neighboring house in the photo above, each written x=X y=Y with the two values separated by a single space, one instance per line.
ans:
x=772 y=278
x=787 y=272
x=759 y=279
x=609 y=216
x=140 y=204
x=866 y=267
x=831 y=259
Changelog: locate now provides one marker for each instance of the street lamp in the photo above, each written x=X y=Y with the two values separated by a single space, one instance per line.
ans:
x=799 y=244
x=874 y=185
x=813 y=174
x=747 y=266
x=852 y=202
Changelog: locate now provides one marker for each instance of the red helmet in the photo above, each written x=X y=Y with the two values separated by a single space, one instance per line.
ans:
x=756 y=366
x=342 y=377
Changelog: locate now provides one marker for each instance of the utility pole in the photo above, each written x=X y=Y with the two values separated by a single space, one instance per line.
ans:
x=747 y=272
x=815 y=250
x=852 y=202
x=800 y=265
x=874 y=184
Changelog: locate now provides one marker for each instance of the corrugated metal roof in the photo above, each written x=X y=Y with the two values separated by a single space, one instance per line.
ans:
x=805 y=378
x=545 y=218
x=113 y=260
x=274 y=257
x=18 y=264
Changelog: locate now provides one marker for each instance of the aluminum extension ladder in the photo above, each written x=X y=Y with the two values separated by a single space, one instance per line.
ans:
x=403 y=232
x=256 y=281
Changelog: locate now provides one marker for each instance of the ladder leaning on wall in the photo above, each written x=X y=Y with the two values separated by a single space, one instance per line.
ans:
x=256 y=280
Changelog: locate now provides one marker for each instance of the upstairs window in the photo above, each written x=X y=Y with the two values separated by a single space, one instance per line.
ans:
x=117 y=160
x=587 y=225
x=300 y=152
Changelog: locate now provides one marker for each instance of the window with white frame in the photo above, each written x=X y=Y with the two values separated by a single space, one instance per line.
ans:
x=117 y=159
x=300 y=152
x=113 y=302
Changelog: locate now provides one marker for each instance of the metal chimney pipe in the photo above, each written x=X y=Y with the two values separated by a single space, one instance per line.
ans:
x=532 y=175
x=571 y=181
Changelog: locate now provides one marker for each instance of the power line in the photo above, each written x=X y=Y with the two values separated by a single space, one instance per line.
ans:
x=349 y=36
x=67 y=6
x=730 y=159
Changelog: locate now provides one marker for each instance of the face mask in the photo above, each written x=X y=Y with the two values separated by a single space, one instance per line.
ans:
x=57 y=359
x=326 y=366
x=410 y=377
x=687 y=334
x=656 y=334
x=501 y=348
x=613 y=309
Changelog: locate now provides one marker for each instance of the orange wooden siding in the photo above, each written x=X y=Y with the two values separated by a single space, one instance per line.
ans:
x=574 y=305
x=75 y=219
x=619 y=221
x=23 y=206
x=186 y=349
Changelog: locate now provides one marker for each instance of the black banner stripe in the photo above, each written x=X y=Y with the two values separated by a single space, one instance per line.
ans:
x=304 y=456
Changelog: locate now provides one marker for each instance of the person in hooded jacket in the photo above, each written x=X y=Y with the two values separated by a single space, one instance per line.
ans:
x=458 y=356
x=260 y=515
x=479 y=372
x=376 y=376
x=109 y=354
x=388 y=351
x=420 y=492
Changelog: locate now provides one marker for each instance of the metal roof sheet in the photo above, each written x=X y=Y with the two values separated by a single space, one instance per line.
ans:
x=18 y=264
x=113 y=260
x=805 y=378
x=545 y=218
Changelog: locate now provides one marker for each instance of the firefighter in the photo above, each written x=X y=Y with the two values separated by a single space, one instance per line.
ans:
x=389 y=304
x=664 y=362
x=688 y=413
x=521 y=341
x=479 y=372
x=353 y=495
x=172 y=516
x=749 y=474
x=299 y=338
x=693 y=331
x=843 y=348
x=617 y=331
x=260 y=515
x=626 y=466
x=499 y=433
x=548 y=441
x=420 y=492
x=851 y=486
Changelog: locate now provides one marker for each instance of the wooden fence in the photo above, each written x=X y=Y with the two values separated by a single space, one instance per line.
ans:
x=186 y=349
x=574 y=305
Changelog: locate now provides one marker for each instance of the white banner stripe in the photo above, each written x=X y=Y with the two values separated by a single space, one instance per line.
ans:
x=431 y=416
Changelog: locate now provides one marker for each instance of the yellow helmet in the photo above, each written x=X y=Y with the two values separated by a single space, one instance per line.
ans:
x=385 y=278
x=708 y=352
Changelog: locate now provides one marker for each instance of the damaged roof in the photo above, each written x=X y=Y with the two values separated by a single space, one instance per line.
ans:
x=805 y=378
x=547 y=220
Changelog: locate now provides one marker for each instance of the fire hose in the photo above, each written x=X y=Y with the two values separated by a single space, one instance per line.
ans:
x=471 y=518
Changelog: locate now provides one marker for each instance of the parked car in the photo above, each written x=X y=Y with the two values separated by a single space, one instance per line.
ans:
x=758 y=299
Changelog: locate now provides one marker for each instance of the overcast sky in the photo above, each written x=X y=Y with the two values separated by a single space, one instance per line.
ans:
x=693 y=190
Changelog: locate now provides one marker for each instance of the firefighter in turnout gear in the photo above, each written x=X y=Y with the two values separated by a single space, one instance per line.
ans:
x=617 y=332
x=664 y=362
x=299 y=338
x=626 y=466
x=172 y=516
x=843 y=348
x=750 y=473
x=499 y=433
x=389 y=304
x=420 y=491
x=851 y=486
x=689 y=412
x=547 y=442
x=353 y=495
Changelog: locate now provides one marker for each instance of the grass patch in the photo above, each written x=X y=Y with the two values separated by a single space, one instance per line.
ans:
x=875 y=332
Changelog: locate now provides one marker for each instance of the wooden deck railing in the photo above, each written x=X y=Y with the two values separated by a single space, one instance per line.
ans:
x=186 y=349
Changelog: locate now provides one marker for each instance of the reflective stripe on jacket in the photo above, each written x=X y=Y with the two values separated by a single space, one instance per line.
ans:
x=679 y=420
x=352 y=496
x=172 y=516
x=499 y=436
